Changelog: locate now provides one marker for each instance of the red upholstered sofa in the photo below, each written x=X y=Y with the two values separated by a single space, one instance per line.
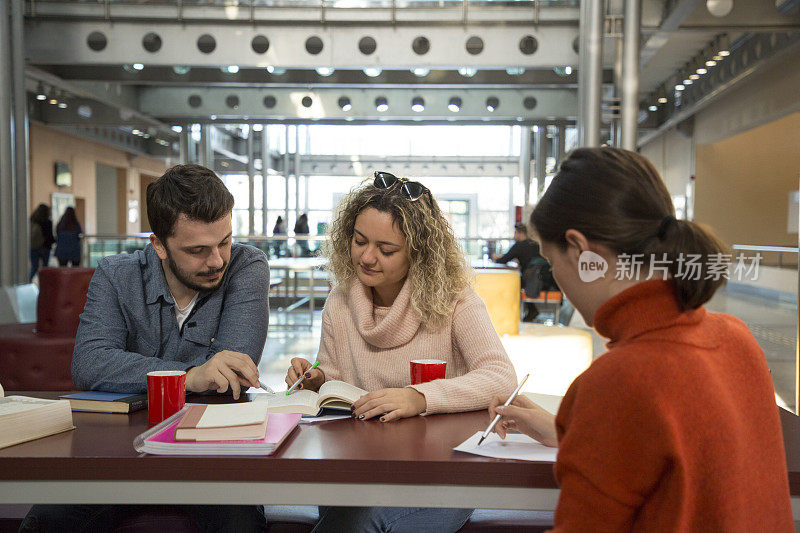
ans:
x=38 y=356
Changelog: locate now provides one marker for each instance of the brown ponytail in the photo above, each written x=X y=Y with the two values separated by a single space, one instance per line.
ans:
x=615 y=197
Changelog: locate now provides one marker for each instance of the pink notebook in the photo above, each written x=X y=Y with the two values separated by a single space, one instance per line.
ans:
x=162 y=441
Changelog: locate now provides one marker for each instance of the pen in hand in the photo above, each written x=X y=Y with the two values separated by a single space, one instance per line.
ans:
x=508 y=402
x=265 y=387
x=300 y=379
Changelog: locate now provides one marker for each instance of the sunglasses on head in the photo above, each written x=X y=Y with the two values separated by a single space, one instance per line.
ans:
x=412 y=190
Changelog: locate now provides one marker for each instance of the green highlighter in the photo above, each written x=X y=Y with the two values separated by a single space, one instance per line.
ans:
x=300 y=379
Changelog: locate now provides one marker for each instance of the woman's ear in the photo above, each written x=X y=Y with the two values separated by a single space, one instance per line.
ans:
x=577 y=242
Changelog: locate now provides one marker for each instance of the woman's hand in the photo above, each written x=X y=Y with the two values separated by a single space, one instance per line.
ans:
x=390 y=404
x=526 y=417
x=314 y=376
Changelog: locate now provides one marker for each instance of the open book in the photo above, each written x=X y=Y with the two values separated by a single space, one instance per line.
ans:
x=23 y=418
x=336 y=395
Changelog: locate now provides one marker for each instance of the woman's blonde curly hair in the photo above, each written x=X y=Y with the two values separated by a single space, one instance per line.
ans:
x=437 y=272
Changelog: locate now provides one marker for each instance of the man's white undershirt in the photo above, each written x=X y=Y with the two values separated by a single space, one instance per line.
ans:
x=181 y=314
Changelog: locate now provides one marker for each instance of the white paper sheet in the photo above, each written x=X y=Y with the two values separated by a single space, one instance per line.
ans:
x=324 y=418
x=515 y=446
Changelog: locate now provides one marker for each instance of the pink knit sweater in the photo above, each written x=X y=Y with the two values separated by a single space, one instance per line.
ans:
x=371 y=347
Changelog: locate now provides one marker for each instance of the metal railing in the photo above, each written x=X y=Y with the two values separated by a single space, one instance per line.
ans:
x=771 y=255
x=96 y=247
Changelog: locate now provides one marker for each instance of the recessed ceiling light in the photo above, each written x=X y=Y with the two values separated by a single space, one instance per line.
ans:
x=138 y=66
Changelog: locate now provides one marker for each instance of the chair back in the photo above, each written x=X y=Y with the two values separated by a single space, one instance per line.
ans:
x=62 y=295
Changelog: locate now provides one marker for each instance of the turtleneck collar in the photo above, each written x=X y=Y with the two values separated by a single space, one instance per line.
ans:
x=398 y=326
x=647 y=306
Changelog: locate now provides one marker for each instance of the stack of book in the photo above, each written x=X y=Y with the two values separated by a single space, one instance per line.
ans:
x=227 y=429
x=106 y=402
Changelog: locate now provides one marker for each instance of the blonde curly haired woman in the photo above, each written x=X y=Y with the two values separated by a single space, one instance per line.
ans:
x=402 y=292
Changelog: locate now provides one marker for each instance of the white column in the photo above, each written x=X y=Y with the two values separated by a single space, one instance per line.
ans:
x=265 y=163
x=286 y=178
x=7 y=199
x=540 y=162
x=630 y=73
x=525 y=161
x=20 y=112
x=251 y=185
x=590 y=75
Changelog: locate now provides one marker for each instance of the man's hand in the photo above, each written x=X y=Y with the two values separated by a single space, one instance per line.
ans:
x=526 y=417
x=391 y=403
x=223 y=370
x=314 y=376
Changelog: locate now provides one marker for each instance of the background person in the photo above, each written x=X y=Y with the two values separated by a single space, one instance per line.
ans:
x=523 y=252
x=68 y=239
x=675 y=428
x=402 y=293
x=278 y=230
x=301 y=229
x=41 y=238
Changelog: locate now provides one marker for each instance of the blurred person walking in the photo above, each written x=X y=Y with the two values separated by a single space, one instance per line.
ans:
x=301 y=229
x=68 y=239
x=41 y=238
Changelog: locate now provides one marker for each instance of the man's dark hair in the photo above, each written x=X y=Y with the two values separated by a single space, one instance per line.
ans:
x=193 y=190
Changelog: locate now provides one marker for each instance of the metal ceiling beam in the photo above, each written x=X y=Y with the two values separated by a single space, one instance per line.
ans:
x=459 y=13
x=449 y=47
x=671 y=22
x=756 y=54
x=86 y=97
x=324 y=165
x=243 y=104
x=409 y=166
x=259 y=77
x=745 y=14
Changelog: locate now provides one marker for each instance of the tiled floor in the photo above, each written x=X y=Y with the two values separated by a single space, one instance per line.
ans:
x=773 y=324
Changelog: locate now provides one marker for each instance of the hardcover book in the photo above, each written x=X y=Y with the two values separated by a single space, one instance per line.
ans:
x=106 y=402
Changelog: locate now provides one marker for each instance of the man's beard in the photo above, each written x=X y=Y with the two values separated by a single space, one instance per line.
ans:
x=186 y=278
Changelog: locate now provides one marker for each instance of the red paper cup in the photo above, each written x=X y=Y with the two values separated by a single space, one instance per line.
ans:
x=166 y=394
x=423 y=370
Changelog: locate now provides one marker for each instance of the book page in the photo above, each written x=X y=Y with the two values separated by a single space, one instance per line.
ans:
x=301 y=401
x=339 y=390
x=232 y=414
x=18 y=404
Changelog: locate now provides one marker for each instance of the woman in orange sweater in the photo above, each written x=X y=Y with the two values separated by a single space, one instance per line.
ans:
x=675 y=427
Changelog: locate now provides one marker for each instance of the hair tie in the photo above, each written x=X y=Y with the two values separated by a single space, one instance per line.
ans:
x=665 y=223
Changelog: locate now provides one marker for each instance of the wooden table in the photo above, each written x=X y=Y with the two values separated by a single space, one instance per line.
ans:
x=345 y=462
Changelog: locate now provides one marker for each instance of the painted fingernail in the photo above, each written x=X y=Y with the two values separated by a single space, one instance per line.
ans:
x=308 y=375
x=300 y=386
x=352 y=408
x=361 y=417
x=383 y=419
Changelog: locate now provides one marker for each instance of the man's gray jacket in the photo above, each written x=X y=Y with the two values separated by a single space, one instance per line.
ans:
x=128 y=327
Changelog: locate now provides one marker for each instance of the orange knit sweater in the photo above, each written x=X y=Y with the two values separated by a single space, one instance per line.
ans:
x=675 y=428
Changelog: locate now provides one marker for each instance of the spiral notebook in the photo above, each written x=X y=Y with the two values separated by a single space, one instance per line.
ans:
x=160 y=439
